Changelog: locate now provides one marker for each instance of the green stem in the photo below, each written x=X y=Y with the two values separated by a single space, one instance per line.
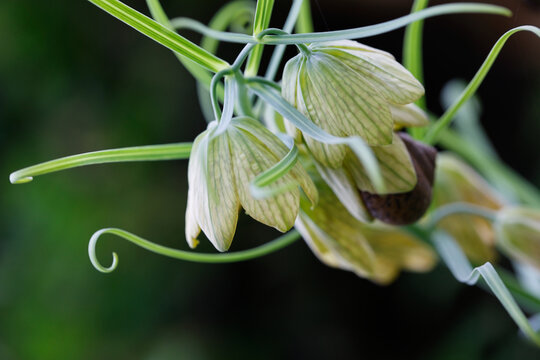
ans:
x=194 y=25
x=387 y=26
x=412 y=57
x=136 y=153
x=445 y=120
x=277 y=55
x=245 y=255
x=412 y=45
x=261 y=21
x=161 y=34
x=305 y=21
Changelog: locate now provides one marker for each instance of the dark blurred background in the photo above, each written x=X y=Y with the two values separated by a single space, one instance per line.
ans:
x=74 y=79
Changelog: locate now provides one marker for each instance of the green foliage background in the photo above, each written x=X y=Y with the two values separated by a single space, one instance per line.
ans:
x=74 y=79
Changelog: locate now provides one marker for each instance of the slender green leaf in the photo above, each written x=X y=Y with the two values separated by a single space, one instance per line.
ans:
x=445 y=120
x=464 y=272
x=161 y=34
x=260 y=23
x=387 y=26
x=268 y=248
x=136 y=153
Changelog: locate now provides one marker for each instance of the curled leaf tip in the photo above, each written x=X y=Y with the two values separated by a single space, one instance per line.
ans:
x=15 y=178
x=92 y=253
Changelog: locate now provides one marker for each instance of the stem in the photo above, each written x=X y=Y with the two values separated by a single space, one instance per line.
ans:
x=305 y=22
x=260 y=23
x=412 y=57
x=459 y=208
x=277 y=55
x=194 y=25
x=161 y=34
x=445 y=120
x=385 y=27
x=245 y=255
x=136 y=153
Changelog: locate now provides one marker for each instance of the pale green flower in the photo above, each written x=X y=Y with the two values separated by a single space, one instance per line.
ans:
x=347 y=89
x=407 y=167
x=458 y=182
x=374 y=251
x=221 y=168
x=518 y=234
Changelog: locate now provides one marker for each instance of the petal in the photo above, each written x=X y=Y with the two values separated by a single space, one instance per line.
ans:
x=280 y=150
x=343 y=186
x=388 y=76
x=251 y=157
x=213 y=199
x=344 y=103
x=396 y=167
x=333 y=235
x=289 y=89
x=409 y=115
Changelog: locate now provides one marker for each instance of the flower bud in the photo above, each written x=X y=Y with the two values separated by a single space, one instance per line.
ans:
x=221 y=168
x=347 y=89
x=518 y=234
x=455 y=181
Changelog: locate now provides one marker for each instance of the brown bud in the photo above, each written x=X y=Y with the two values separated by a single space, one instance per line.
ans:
x=406 y=208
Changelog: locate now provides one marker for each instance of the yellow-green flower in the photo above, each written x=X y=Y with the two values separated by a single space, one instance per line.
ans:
x=407 y=167
x=374 y=251
x=518 y=234
x=221 y=168
x=347 y=89
x=458 y=182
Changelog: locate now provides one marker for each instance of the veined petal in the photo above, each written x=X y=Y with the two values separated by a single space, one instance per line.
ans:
x=395 y=164
x=289 y=90
x=408 y=115
x=389 y=77
x=280 y=150
x=343 y=103
x=215 y=204
x=251 y=157
x=343 y=186
x=331 y=233
x=195 y=176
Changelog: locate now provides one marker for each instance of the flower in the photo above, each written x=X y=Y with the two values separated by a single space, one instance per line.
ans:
x=347 y=89
x=518 y=234
x=221 y=168
x=458 y=182
x=407 y=167
x=373 y=251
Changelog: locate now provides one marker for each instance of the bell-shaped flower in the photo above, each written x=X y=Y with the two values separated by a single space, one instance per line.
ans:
x=374 y=251
x=458 y=182
x=407 y=167
x=221 y=168
x=347 y=89
x=518 y=234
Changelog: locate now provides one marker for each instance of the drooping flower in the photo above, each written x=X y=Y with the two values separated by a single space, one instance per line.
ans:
x=347 y=89
x=518 y=234
x=407 y=167
x=221 y=168
x=374 y=251
x=458 y=182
